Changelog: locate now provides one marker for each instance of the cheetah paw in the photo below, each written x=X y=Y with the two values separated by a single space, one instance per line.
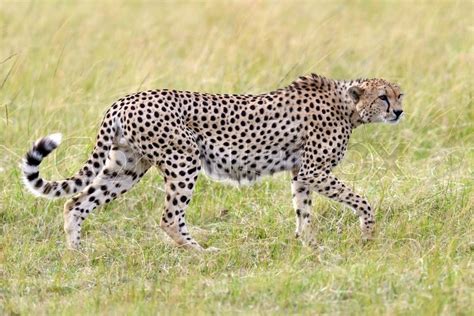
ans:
x=366 y=238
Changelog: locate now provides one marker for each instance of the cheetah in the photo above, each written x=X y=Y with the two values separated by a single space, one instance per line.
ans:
x=303 y=128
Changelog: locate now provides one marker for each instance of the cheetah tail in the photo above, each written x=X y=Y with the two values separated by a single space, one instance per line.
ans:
x=62 y=188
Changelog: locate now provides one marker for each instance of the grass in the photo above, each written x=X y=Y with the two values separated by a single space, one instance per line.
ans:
x=63 y=63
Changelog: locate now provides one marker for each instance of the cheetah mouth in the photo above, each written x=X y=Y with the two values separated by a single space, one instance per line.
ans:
x=395 y=120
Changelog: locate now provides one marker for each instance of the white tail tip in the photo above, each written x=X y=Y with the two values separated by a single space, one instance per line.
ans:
x=55 y=138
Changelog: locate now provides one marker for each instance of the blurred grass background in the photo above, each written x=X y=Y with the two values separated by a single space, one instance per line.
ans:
x=63 y=63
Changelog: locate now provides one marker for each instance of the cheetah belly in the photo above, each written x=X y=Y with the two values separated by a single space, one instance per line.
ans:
x=245 y=167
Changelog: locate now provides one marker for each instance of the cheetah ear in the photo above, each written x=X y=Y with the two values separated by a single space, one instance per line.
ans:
x=355 y=92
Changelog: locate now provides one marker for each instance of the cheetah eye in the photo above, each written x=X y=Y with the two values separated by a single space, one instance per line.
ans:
x=383 y=98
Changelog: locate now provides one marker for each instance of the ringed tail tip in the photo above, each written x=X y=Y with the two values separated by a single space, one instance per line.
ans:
x=56 y=138
x=30 y=165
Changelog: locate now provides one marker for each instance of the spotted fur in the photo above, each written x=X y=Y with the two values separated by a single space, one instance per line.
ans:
x=303 y=128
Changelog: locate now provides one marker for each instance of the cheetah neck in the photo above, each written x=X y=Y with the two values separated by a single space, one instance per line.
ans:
x=320 y=84
x=313 y=81
x=355 y=118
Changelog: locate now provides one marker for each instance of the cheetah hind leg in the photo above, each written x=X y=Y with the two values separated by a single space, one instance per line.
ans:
x=122 y=170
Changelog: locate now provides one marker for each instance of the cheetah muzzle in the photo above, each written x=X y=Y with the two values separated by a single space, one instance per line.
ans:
x=303 y=128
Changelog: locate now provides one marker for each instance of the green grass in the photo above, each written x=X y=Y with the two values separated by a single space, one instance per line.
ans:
x=63 y=64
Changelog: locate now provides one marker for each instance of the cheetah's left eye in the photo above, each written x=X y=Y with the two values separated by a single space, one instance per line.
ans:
x=383 y=98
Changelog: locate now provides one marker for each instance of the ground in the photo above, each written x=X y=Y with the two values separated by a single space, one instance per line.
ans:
x=62 y=65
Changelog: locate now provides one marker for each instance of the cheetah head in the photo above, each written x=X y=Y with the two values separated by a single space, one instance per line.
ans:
x=377 y=100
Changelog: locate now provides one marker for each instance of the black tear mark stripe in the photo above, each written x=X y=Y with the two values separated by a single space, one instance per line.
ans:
x=388 y=101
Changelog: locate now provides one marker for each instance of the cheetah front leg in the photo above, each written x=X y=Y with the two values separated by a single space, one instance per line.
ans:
x=329 y=186
x=178 y=195
x=179 y=186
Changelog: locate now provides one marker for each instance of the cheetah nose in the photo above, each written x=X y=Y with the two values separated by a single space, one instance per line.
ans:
x=398 y=113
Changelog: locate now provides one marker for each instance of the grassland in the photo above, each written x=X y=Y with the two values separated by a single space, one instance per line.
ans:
x=62 y=64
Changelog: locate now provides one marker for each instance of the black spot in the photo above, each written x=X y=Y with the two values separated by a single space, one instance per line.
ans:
x=39 y=183
x=31 y=160
x=32 y=176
